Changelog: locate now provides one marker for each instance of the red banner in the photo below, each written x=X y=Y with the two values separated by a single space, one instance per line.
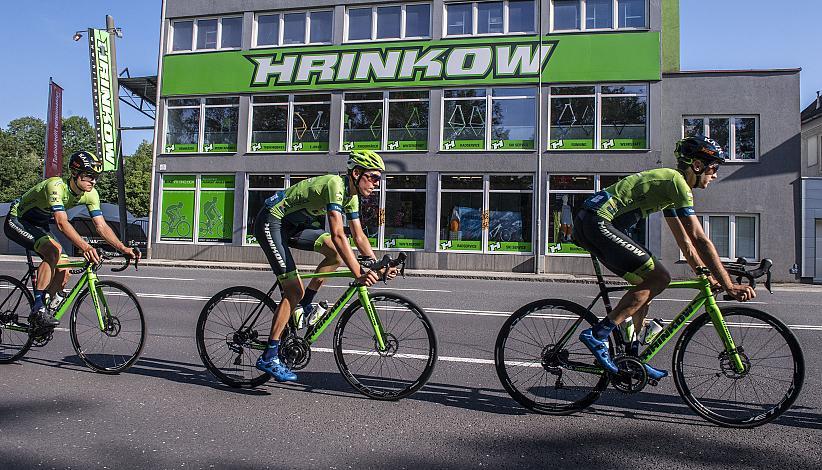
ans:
x=53 y=163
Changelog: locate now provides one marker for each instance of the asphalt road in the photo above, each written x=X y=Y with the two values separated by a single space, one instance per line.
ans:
x=167 y=411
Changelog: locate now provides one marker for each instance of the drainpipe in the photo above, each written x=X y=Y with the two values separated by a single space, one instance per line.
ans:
x=539 y=259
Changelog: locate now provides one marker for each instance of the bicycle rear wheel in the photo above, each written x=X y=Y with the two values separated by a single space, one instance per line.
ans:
x=15 y=307
x=227 y=347
x=536 y=352
x=773 y=376
x=118 y=345
x=411 y=351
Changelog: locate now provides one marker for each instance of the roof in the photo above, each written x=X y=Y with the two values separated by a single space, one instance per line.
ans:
x=143 y=87
x=813 y=111
x=732 y=72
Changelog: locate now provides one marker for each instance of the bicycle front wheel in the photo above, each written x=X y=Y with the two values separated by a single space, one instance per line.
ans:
x=411 y=348
x=231 y=333
x=709 y=384
x=15 y=307
x=118 y=344
x=542 y=364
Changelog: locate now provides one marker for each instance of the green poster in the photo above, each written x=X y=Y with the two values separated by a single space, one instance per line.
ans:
x=461 y=245
x=512 y=145
x=216 y=216
x=220 y=148
x=405 y=243
x=371 y=241
x=407 y=145
x=623 y=144
x=362 y=145
x=463 y=145
x=268 y=146
x=181 y=148
x=510 y=247
x=565 y=248
x=310 y=147
x=104 y=93
x=179 y=181
x=571 y=144
x=177 y=212
x=217 y=181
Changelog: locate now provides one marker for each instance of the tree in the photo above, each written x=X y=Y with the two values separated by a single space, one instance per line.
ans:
x=138 y=180
x=19 y=169
x=28 y=134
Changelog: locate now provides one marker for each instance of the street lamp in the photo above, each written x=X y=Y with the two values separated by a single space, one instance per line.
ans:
x=117 y=32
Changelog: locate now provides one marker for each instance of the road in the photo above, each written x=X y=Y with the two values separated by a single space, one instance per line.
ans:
x=167 y=411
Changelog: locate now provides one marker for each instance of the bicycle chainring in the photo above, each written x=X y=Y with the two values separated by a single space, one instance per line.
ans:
x=42 y=336
x=295 y=352
x=632 y=376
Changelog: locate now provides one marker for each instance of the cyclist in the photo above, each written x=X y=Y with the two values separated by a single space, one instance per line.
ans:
x=28 y=225
x=601 y=226
x=295 y=218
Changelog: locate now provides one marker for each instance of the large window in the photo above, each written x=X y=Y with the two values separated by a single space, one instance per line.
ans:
x=389 y=21
x=489 y=119
x=738 y=135
x=403 y=113
x=565 y=196
x=207 y=125
x=197 y=208
x=488 y=214
x=588 y=15
x=603 y=117
x=258 y=189
x=294 y=28
x=295 y=123
x=207 y=34
x=489 y=17
x=733 y=235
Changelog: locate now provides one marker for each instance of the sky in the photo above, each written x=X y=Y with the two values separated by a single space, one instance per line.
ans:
x=37 y=39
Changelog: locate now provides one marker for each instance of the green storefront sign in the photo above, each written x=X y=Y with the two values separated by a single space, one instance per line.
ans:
x=216 y=217
x=177 y=211
x=449 y=62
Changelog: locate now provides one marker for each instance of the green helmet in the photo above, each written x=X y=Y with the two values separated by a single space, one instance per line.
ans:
x=366 y=159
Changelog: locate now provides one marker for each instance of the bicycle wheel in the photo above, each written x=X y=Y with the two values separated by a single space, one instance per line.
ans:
x=227 y=350
x=119 y=344
x=773 y=376
x=183 y=228
x=537 y=371
x=407 y=363
x=15 y=307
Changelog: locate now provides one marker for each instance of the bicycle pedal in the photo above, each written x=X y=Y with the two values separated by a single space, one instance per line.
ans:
x=653 y=382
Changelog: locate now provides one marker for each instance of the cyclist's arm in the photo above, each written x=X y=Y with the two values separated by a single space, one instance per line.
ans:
x=340 y=241
x=360 y=239
x=64 y=225
x=111 y=238
x=684 y=243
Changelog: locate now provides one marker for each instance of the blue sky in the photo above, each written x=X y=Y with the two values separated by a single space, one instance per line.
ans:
x=715 y=34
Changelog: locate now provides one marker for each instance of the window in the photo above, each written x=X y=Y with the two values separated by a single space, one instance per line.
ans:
x=207 y=125
x=403 y=113
x=482 y=18
x=488 y=214
x=207 y=34
x=197 y=208
x=733 y=236
x=404 y=209
x=565 y=196
x=738 y=135
x=294 y=28
x=405 y=21
x=258 y=189
x=489 y=119
x=813 y=150
x=585 y=15
x=621 y=112
x=295 y=123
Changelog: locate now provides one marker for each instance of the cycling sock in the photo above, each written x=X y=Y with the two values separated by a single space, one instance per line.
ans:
x=272 y=350
x=38 y=298
x=603 y=329
x=307 y=299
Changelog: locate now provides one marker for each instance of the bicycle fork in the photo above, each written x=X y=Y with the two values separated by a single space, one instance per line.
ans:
x=379 y=333
x=99 y=301
x=722 y=330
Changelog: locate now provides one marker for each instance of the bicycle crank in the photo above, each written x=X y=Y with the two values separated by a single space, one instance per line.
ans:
x=632 y=376
x=295 y=352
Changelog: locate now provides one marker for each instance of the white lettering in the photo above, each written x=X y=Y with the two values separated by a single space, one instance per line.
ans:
x=411 y=61
x=384 y=69
x=265 y=69
x=523 y=60
x=458 y=63
x=346 y=66
x=322 y=63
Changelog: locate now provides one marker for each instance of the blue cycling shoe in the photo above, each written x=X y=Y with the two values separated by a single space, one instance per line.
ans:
x=276 y=369
x=655 y=374
x=599 y=349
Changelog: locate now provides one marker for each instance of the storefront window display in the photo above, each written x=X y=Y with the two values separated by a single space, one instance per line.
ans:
x=394 y=216
x=260 y=188
x=403 y=113
x=295 y=123
x=207 y=125
x=201 y=205
x=512 y=123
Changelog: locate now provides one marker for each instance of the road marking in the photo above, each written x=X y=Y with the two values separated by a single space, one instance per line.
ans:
x=149 y=277
x=663 y=299
x=397 y=288
x=467 y=360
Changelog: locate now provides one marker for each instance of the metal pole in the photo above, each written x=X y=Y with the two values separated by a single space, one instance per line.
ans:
x=121 y=178
x=539 y=259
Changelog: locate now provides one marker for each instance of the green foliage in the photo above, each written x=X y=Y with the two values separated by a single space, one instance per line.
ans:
x=20 y=167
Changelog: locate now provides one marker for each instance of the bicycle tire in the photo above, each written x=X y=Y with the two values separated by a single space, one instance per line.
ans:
x=512 y=350
x=15 y=306
x=217 y=343
x=125 y=329
x=417 y=355
x=183 y=232
x=743 y=322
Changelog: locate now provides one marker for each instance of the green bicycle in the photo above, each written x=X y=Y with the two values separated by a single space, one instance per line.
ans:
x=384 y=345
x=107 y=326
x=737 y=367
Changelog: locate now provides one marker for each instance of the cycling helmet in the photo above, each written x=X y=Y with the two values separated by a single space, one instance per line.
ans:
x=87 y=162
x=366 y=159
x=698 y=147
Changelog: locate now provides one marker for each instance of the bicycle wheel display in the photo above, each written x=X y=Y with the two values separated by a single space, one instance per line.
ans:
x=232 y=330
x=118 y=344
x=773 y=376
x=411 y=352
x=15 y=307
x=536 y=352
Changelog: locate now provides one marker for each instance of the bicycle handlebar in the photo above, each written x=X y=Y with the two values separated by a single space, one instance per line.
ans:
x=736 y=269
x=385 y=262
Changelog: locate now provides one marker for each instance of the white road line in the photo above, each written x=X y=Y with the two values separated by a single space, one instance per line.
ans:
x=149 y=277
x=398 y=289
x=467 y=360
x=662 y=299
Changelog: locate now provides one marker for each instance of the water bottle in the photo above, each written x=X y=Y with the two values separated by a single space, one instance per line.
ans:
x=299 y=317
x=55 y=301
x=317 y=313
x=653 y=329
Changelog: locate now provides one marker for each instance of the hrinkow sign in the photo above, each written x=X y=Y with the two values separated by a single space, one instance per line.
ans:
x=452 y=62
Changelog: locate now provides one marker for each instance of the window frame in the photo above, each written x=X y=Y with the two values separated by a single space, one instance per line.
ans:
x=475 y=17
x=195 y=223
x=731 y=150
x=704 y=219
x=201 y=127
x=403 y=22
x=386 y=102
x=384 y=190
x=489 y=103
x=195 y=30
x=289 y=143
x=246 y=199
x=281 y=28
x=582 y=5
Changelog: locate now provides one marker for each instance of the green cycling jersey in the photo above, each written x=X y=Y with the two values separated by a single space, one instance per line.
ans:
x=52 y=195
x=640 y=194
x=313 y=198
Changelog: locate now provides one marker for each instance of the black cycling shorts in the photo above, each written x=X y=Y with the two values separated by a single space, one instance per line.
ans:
x=275 y=236
x=26 y=234
x=616 y=250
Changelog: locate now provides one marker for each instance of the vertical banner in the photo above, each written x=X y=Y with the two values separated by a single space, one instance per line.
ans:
x=53 y=162
x=105 y=95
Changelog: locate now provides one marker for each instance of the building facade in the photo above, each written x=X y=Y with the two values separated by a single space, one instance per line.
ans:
x=811 y=187
x=495 y=118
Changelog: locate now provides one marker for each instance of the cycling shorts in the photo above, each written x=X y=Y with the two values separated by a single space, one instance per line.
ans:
x=620 y=253
x=276 y=237
x=26 y=234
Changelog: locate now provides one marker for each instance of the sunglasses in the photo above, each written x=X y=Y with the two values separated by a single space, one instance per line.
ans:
x=88 y=177
x=713 y=167
x=373 y=177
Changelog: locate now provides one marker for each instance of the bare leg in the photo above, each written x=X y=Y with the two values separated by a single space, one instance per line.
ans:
x=50 y=252
x=292 y=293
x=637 y=298
x=329 y=264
